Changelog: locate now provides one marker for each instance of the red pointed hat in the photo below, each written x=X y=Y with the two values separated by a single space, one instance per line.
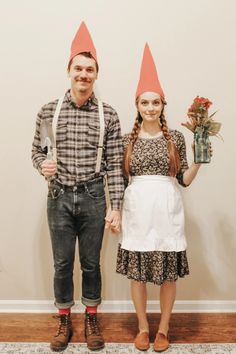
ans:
x=82 y=42
x=148 y=80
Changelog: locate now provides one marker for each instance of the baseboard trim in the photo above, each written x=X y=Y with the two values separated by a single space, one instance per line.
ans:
x=45 y=306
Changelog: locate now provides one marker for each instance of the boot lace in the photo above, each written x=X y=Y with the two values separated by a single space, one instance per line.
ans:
x=92 y=325
x=63 y=326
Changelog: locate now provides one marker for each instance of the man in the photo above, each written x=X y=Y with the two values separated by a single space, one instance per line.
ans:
x=76 y=198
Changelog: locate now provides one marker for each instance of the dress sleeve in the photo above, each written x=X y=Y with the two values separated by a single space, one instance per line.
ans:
x=125 y=141
x=181 y=146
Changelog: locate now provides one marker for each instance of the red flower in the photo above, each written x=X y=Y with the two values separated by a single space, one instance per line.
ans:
x=204 y=103
x=198 y=116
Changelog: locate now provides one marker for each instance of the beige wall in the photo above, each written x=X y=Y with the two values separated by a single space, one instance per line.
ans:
x=193 y=44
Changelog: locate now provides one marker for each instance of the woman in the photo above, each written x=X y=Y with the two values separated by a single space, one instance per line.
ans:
x=153 y=245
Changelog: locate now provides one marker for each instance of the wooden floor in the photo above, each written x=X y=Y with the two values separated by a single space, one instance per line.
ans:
x=121 y=328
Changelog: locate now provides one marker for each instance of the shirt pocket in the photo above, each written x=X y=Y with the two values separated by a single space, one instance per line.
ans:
x=93 y=133
x=61 y=134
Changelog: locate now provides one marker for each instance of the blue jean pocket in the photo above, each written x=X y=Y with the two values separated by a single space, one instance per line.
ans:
x=55 y=191
x=96 y=191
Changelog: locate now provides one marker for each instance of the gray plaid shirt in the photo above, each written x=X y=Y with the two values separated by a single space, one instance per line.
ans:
x=77 y=139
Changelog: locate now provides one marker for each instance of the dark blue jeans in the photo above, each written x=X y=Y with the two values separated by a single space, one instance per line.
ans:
x=77 y=212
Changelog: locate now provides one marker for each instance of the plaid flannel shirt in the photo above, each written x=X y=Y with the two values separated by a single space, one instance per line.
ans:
x=77 y=138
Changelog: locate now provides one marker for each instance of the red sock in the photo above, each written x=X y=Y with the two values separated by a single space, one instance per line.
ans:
x=64 y=311
x=91 y=309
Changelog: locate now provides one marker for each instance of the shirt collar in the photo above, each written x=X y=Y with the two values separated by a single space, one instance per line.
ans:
x=90 y=104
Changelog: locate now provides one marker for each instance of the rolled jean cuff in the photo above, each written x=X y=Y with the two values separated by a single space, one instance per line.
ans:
x=91 y=302
x=65 y=305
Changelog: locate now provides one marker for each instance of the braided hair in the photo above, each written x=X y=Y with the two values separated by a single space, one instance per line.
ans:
x=174 y=158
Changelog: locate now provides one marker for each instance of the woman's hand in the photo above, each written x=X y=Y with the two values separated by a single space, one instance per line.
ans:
x=192 y=171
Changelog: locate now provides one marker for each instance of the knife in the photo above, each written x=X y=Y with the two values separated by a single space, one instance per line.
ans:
x=46 y=138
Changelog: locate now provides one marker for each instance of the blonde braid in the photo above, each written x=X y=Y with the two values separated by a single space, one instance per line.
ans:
x=164 y=127
x=132 y=138
x=174 y=166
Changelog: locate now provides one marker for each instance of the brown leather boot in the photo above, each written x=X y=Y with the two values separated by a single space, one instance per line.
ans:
x=63 y=334
x=141 y=341
x=161 y=342
x=93 y=336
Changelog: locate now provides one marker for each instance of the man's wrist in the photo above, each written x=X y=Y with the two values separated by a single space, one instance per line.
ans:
x=116 y=205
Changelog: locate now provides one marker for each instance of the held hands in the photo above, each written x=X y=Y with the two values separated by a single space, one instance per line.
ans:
x=113 y=220
x=49 y=168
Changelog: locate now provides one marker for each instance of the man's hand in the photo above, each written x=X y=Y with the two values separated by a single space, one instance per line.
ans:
x=49 y=168
x=113 y=219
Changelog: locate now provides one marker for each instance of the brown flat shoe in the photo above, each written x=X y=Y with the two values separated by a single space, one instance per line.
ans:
x=161 y=342
x=141 y=341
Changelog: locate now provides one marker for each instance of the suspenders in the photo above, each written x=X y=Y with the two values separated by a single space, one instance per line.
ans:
x=101 y=134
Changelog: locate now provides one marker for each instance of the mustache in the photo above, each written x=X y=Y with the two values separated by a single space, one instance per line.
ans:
x=82 y=79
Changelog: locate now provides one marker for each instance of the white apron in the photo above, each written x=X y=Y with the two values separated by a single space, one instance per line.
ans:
x=153 y=215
